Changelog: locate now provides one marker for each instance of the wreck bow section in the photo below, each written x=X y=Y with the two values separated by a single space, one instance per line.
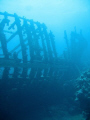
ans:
x=27 y=50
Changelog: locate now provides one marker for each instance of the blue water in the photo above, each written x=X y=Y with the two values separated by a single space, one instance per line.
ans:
x=64 y=93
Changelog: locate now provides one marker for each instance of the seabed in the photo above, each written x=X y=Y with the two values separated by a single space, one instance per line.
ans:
x=68 y=117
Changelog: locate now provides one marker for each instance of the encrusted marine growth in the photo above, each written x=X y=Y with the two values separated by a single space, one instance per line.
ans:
x=27 y=50
x=83 y=92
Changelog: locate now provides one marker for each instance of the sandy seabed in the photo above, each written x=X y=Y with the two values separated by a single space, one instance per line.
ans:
x=68 y=117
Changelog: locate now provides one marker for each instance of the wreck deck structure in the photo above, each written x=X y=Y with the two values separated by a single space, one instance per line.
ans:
x=28 y=51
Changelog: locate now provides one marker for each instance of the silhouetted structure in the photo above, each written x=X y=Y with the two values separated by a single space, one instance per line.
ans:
x=75 y=46
x=35 y=54
x=28 y=55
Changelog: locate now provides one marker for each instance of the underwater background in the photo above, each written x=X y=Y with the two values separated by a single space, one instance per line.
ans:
x=47 y=80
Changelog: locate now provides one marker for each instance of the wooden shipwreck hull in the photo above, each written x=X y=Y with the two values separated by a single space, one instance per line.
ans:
x=28 y=51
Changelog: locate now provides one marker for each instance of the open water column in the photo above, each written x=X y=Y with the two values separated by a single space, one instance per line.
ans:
x=45 y=60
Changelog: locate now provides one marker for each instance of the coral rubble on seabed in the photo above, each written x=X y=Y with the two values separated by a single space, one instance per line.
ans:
x=83 y=85
x=83 y=93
